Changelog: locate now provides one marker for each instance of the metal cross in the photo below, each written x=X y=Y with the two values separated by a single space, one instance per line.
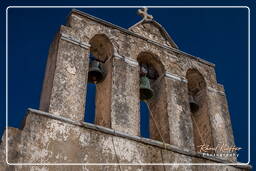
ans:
x=144 y=13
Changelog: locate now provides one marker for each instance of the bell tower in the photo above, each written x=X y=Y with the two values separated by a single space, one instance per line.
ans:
x=180 y=90
x=187 y=105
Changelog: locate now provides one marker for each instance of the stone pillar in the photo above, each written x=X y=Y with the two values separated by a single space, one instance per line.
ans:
x=125 y=95
x=103 y=97
x=180 y=123
x=220 y=119
x=66 y=78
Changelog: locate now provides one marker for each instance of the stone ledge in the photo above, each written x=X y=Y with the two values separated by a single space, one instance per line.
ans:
x=74 y=41
x=175 y=77
x=216 y=91
x=138 y=139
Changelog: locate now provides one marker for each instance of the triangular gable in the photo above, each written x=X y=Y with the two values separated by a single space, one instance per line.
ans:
x=154 y=31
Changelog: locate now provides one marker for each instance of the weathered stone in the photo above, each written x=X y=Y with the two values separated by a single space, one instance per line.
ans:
x=181 y=129
x=125 y=97
x=58 y=134
x=60 y=141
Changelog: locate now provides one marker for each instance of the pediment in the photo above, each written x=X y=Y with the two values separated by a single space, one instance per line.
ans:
x=153 y=31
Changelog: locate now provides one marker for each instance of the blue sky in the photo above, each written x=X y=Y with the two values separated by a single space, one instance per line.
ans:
x=216 y=35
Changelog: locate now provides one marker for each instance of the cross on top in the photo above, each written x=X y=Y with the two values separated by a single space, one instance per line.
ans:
x=144 y=13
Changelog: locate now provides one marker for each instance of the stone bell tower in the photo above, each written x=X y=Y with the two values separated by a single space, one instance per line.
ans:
x=188 y=108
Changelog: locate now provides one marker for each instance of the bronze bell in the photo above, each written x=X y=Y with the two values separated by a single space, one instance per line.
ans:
x=193 y=104
x=145 y=90
x=96 y=72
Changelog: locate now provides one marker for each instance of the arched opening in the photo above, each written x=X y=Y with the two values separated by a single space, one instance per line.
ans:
x=144 y=118
x=153 y=98
x=199 y=109
x=98 y=95
x=90 y=103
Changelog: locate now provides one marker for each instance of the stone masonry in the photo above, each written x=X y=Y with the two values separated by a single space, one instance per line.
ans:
x=56 y=133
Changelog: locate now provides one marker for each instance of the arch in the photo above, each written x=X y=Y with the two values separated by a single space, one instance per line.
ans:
x=101 y=47
x=158 y=116
x=196 y=81
x=152 y=60
x=102 y=50
x=197 y=95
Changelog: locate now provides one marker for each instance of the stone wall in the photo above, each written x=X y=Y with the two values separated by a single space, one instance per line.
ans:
x=127 y=47
x=48 y=138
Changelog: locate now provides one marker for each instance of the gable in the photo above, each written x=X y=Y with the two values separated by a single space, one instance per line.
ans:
x=153 y=31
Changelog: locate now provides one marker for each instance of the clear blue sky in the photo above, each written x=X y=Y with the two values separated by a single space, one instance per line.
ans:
x=216 y=35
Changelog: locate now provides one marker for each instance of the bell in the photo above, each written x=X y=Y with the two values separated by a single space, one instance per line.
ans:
x=96 y=73
x=193 y=105
x=145 y=90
